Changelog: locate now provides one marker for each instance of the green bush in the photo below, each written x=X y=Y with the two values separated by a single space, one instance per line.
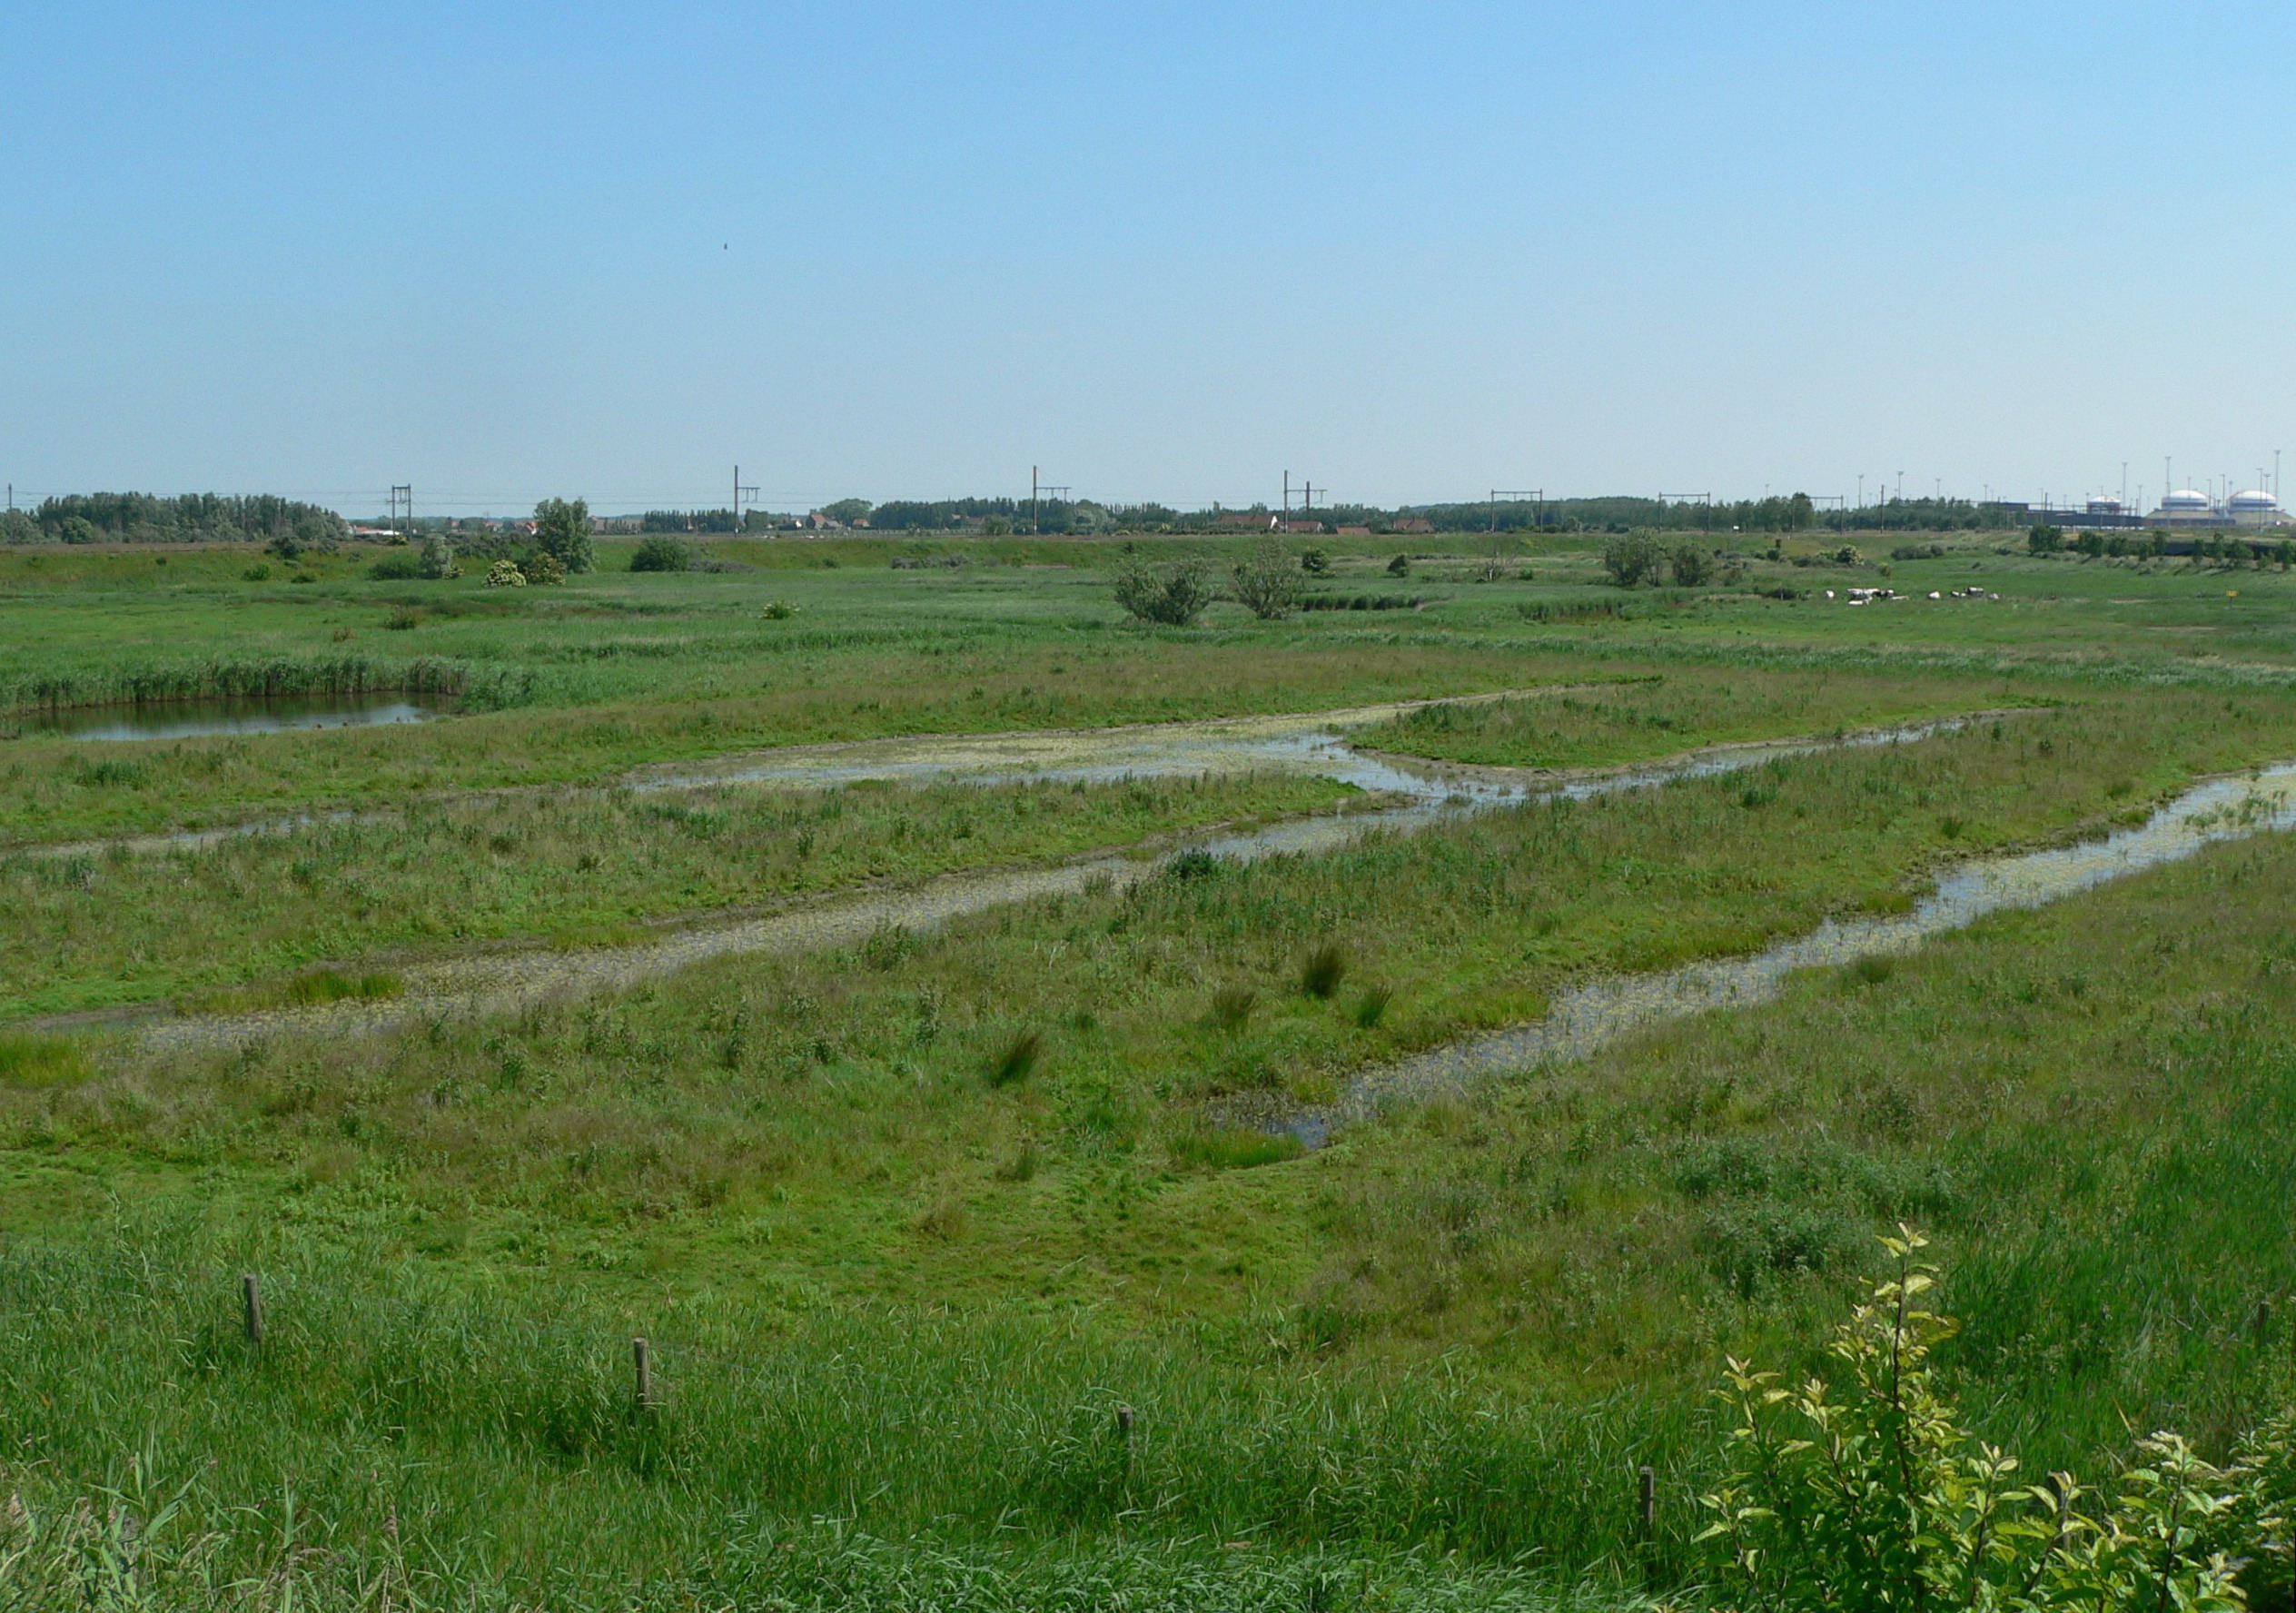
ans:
x=1267 y=584
x=662 y=554
x=1634 y=558
x=395 y=568
x=1864 y=1494
x=1176 y=597
x=1693 y=566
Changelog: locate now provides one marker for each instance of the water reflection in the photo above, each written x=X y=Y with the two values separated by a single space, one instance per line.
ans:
x=256 y=714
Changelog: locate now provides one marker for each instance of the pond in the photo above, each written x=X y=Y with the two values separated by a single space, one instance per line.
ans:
x=252 y=714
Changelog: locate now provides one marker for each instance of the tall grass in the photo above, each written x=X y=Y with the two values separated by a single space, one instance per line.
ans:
x=493 y=1431
x=239 y=679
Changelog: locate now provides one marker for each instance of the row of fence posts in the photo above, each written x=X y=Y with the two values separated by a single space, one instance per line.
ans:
x=642 y=1367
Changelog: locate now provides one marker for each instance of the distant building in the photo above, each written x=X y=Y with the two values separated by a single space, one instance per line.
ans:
x=1303 y=526
x=1355 y=531
x=1413 y=523
x=1245 y=518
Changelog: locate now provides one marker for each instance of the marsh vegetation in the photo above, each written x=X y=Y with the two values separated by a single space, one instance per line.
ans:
x=963 y=1285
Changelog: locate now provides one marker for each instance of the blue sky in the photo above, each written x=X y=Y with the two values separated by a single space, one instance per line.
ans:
x=1164 y=251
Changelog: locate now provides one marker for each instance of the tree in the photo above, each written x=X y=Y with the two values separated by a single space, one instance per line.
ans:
x=1692 y=566
x=1634 y=558
x=2042 y=541
x=562 y=531
x=437 y=559
x=846 y=512
x=1267 y=584
x=1176 y=597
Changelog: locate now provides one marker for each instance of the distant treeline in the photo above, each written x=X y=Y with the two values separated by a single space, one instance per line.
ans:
x=194 y=517
x=1786 y=513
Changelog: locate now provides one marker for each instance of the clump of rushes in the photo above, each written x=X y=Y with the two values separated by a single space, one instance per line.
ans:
x=1235 y=1148
x=1015 y=1059
x=1232 y=1005
x=1322 y=969
x=1372 y=1007
x=40 y=1061
x=332 y=985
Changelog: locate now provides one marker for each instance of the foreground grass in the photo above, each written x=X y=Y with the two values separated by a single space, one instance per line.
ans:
x=88 y=931
x=1521 y=1299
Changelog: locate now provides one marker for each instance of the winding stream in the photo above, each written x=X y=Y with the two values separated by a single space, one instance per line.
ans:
x=1591 y=1016
x=1408 y=796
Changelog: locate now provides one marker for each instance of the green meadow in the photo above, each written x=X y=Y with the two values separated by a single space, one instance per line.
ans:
x=963 y=1283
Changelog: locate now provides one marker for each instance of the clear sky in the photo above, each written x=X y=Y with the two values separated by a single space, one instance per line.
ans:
x=1164 y=251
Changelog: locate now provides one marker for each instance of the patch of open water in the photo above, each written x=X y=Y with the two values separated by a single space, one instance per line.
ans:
x=251 y=714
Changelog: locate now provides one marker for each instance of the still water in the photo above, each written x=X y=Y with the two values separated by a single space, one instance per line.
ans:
x=255 y=714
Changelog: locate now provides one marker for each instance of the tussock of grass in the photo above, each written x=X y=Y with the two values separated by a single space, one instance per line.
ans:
x=1322 y=969
x=1015 y=1059
x=33 y=1061
x=1233 y=1148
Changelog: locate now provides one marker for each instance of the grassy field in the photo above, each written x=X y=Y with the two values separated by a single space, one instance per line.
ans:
x=907 y=1222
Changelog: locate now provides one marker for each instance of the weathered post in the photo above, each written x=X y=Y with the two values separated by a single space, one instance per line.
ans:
x=641 y=1357
x=1649 y=1503
x=253 y=1301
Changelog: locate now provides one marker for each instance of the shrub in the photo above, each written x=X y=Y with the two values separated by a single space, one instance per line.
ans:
x=778 y=610
x=2044 y=540
x=1315 y=562
x=1866 y=1494
x=256 y=573
x=545 y=568
x=1322 y=969
x=437 y=559
x=1633 y=558
x=396 y=568
x=1015 y=1059
x=1691 y=565
x=1372 y=1007
x=400 y=620
x=662 y=554
x=1918 y=551
x=1401 y=566
x=1266 y=584
x=505 y=574
x=1176 y=597
x=1195 y=863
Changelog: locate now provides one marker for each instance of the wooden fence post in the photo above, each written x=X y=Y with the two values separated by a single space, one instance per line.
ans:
x=642 y=1358
x=1649 y=1503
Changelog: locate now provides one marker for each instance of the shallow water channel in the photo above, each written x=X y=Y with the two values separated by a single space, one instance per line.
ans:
x=250 y=714
x=1410 y=795
x=1591 y=1016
